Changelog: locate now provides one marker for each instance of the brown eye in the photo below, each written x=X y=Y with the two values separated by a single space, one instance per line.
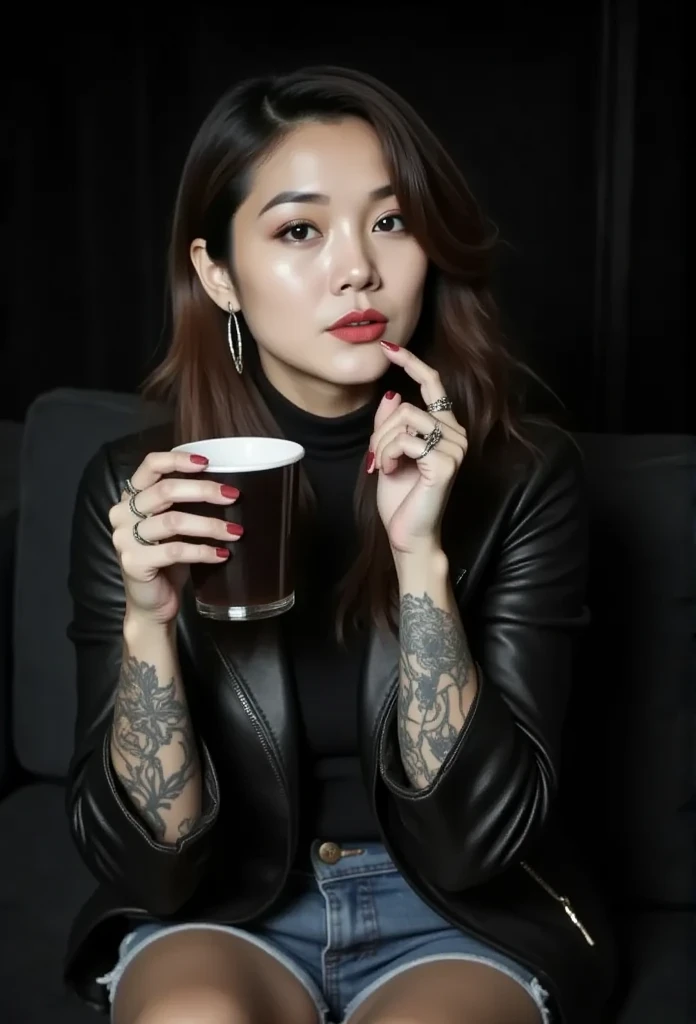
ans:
x=297 y=232
x=392 y=222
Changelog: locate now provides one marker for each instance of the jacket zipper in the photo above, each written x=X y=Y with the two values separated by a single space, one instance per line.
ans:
x=563 y=900
x=270 y=753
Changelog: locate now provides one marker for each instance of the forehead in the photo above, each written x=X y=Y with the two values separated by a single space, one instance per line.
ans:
x=331 y=158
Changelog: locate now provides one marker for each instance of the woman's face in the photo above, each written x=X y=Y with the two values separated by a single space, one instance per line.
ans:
x=320 y=236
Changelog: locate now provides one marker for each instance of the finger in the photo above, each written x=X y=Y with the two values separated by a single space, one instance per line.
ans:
x=398 y=444
x=177 y=524
x=155 y=465
x=438 y=466
x=169 y=491
x=424 y=375
x=417 y=421
x=390 y=401
x=142 y=563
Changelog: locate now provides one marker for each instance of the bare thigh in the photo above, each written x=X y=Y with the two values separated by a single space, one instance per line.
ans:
x=209 y=977
x=449 y=992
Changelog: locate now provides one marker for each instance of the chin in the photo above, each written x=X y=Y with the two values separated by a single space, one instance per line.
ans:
x=358 y=364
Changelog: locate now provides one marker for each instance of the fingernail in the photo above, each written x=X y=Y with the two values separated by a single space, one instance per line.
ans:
x=222 y=552
x=389 y=395
x=228 y=492
x=370 y=461
x=200 y=460
x=235 y=529
x=390 y=345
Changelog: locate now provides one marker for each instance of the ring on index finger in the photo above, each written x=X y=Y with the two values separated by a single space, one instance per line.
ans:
x=443 y=404
x=130 y=488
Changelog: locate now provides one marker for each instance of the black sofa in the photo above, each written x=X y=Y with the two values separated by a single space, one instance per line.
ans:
x=629 y=776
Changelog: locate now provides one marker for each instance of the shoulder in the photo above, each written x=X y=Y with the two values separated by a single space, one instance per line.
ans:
x=543 y=447
x=516 y=486
x=543 y=460
x=542 y=488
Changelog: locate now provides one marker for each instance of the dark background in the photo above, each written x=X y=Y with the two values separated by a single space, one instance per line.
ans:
x=570 y=121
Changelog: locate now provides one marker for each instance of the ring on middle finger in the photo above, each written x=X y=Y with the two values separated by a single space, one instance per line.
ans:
x=142 y=540
x=136 y=511
x=431 y=441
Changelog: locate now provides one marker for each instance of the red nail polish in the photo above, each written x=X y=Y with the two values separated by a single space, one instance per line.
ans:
x=235 y=529
x=222 y=552
x=228 y=492
x=390 y=345
x=389 y=395
x=200 y=460
x=370 y=461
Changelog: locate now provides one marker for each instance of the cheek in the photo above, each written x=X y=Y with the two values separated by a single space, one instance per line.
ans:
x=277 y=277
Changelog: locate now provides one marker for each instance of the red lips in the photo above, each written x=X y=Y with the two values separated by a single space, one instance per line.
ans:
x=360 y=326
x=356 y=316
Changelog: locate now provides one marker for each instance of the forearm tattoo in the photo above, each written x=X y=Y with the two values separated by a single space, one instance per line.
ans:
x=148 y=719
x=435 y=668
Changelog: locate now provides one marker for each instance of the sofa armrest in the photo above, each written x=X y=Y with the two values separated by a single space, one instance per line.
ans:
x=8 y=531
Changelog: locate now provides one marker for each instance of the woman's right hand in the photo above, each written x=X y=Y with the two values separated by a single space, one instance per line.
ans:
x=154 y=575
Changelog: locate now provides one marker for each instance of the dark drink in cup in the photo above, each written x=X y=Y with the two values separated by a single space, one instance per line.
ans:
x=257 y=580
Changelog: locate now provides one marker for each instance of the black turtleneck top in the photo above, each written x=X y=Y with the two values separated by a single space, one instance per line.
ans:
x=334 y=801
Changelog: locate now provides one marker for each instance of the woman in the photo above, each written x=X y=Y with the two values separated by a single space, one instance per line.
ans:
x=343 y=813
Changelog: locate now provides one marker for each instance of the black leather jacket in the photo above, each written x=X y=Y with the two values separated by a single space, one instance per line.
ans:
x=479 y=845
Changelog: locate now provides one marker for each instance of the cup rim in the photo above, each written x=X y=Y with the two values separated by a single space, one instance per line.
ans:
x=295 y=452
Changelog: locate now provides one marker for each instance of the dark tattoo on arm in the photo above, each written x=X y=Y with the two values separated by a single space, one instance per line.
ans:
x=436 y=666
x=148 y=718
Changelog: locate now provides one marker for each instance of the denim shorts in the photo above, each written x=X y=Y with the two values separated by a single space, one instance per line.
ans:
x=349 y=927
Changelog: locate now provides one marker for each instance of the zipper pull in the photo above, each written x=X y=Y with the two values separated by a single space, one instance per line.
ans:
x=576 y=920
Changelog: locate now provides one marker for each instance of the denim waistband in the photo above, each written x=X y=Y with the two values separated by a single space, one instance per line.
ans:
x=356 y=858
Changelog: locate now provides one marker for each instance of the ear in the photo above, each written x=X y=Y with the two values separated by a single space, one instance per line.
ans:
x=214 y=277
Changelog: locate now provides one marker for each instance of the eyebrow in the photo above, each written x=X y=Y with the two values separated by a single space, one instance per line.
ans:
x=319 y=197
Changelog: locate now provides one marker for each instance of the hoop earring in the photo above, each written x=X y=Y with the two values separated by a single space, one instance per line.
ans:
x=236 y=353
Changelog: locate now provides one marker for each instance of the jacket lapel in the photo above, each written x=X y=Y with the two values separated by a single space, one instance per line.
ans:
x=254 y=656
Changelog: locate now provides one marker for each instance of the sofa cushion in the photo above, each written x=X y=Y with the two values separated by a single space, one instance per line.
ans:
x=63 y=429
x=629 y=753
x=42 y=884
x=657 y=956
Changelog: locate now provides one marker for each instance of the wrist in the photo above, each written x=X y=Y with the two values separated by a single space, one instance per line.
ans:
x=137 y=626
x=427 y=565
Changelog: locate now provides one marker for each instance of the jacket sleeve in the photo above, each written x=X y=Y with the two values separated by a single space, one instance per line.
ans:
x=113 y=841
x=494 y=792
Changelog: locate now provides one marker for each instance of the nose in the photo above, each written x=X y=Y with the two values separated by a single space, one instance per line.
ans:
x=354 y=268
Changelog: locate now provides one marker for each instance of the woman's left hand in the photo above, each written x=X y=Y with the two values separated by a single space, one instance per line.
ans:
x=412 y=491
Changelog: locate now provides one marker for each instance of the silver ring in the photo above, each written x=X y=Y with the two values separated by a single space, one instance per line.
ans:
x=433 y=438
x=141 y=540
x=443 y=404
x=129 y=488
x=134 y=510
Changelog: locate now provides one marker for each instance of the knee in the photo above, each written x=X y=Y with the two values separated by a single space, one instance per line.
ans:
x=194 y=1006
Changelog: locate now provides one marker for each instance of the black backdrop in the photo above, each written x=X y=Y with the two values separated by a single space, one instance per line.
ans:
x=570 y=121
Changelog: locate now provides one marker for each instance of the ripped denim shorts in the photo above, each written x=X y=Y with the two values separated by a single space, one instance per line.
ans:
x=354 y=925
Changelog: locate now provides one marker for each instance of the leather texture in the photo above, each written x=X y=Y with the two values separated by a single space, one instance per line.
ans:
x=516 y=536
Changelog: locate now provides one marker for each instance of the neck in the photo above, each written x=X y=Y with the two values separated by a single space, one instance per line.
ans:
x=315 y=396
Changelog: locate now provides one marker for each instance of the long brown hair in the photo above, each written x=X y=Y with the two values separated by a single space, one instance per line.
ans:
x=458 y=332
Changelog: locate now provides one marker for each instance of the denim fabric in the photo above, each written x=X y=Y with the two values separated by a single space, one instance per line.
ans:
x=349 y=928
